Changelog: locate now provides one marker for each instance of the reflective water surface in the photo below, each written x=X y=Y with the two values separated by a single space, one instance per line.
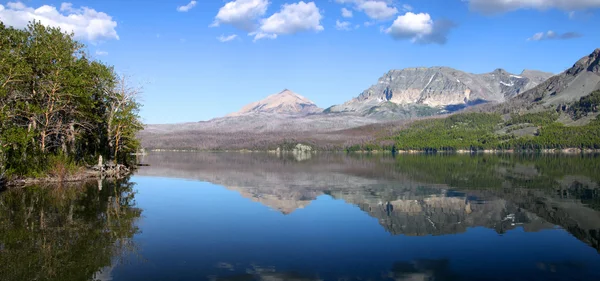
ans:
x=232 y=216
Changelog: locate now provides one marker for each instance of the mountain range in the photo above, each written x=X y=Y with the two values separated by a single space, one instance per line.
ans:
x=398 y=97
x=410 y=92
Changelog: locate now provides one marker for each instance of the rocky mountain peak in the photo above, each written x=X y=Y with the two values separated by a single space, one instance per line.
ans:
x=576 y=82
x=589 y=63
x=284 y=102
x=500 y=71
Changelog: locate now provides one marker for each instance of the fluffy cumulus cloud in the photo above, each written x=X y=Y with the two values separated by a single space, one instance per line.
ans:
x=420 y=28
x=551 y=35
x=291 y=19
x=84 y=22
x=187 y=7
x=346 y=13
x=228 y=38
x=242 y=14
x=342 y=25
x=374 y=9
x=500 y=6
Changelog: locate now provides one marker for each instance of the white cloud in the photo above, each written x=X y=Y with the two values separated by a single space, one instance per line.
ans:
x=551 y=35
x=291 y=19
x=262 y=35
x=411 y=25
x=85 y=23
x=407 y=8
x=187 y=7
x=377 y=10
x=369 y=23
x=224 y=38
x=17 y=5
x=346 y=13
x=241 y=14
x=500 y=6
x=342 y=25
x=419 y=28
x=101 y=53
x=65 y=7
x=374 y=9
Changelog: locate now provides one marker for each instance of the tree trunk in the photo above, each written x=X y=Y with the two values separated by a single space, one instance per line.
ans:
x=43 y=141
x=117 y=148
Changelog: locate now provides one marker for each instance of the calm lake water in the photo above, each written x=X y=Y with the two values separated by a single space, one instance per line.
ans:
x=231 y=216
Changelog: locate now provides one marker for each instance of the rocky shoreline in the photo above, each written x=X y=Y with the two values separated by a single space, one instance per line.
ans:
x=105 y=171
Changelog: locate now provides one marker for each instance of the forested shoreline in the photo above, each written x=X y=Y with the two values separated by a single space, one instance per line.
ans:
x=60 y=109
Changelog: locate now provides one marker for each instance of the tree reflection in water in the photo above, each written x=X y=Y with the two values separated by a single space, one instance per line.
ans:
x=66 y=232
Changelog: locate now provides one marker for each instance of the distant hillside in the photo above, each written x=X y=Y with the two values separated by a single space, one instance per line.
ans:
x=578 y=81
x=436 y=90
x=561 y=113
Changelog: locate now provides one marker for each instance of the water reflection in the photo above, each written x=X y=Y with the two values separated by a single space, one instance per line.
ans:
x=231 y=216
x=414 y=194
x=66 y=233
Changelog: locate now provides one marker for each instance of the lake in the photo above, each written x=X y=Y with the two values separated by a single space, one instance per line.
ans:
x=259 y=216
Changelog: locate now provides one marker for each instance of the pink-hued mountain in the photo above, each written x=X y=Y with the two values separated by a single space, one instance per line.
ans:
x=285 y=102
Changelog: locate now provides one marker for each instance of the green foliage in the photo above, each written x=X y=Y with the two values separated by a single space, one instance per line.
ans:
x=56 y=102
x=543 y=118
x=477 y=131
x=559 y=136
x=61 y=166
x=585 y=105
x=460 y=131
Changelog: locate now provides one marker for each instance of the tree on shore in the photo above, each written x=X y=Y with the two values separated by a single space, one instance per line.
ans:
x=57 y=101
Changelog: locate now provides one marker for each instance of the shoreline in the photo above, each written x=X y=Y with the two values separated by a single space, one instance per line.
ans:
x=85 y=175
x=459 y=151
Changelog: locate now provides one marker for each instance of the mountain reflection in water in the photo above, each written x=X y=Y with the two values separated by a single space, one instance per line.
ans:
x=259 y=216
x=413 y=194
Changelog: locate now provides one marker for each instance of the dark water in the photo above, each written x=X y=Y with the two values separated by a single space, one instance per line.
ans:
x=202 y=216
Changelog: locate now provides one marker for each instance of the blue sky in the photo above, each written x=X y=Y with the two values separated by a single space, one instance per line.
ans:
x=188 y=74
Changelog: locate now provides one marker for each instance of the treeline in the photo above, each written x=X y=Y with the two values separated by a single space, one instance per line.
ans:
x=483 y=131
x=58 y=103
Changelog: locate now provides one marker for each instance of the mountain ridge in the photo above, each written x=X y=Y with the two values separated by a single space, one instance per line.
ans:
x=440 y=87
x=574 y=83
